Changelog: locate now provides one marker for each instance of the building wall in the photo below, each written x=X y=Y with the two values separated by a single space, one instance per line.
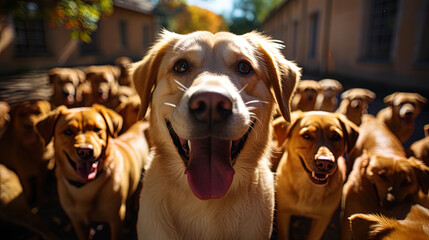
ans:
x=64 y=51
x=342 y=39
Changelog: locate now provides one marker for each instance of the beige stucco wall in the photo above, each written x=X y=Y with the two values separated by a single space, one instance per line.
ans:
x=64 y=51
x=342 y=38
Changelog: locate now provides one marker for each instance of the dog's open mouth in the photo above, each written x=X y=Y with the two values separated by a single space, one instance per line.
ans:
x=209 y=162
x=86 y=170
x=318 y=178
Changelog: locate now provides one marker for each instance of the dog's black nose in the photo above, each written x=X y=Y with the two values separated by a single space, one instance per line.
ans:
x=85 y=151
x=325 y=165
x=210 y=107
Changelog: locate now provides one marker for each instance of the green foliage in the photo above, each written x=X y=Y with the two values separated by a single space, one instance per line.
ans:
x=80 y=16
x=249 y=14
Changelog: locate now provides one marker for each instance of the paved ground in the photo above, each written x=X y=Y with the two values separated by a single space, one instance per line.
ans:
x=34 y=85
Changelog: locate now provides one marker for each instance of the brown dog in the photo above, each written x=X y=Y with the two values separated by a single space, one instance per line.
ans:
x=304 y=98
x=14 y=207
x=383 y=180
x=96 y=172
x=123 y=63
x=66 y=82
x=327 y=98
x=211 y=105
x=104 y=85
x=354 y=103
x=373 y=226
x=420 y=148
x=4 y=117
x=312 y=171
x=24 y=151
x=129 y=110
x=401 y=112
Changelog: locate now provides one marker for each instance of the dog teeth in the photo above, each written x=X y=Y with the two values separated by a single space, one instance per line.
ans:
x=189 y=145
x=313 y=174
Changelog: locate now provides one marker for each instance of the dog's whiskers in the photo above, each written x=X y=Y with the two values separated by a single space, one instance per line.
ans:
x=256 y=101
x=253 y=116
x=181 y=86
x=170 y=104
x=242 y=89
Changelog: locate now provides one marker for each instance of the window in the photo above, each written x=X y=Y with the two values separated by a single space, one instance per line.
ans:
x=314 y=28
x=123 y=34
x=30 y=37
x=381 y=29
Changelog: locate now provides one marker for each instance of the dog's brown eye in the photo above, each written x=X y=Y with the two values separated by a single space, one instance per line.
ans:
x=336 y=137
x=181 y=66
x=68 y=132
x=306 y=136
x=96 y=130
x=244 y=67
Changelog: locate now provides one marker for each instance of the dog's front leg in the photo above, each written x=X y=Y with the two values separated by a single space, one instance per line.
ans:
x=283 y=225
x=116 y=229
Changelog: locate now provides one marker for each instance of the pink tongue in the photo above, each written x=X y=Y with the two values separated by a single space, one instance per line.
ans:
x=209 y=171
x=87 y=170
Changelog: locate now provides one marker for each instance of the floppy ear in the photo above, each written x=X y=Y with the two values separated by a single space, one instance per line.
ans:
x=45 y=125
x=388 y=100
x=80 y=74
x=281 y=128
x=283 y=75
x=113 y=120
x=422 y=100
x=370 y=226
x=351 y=131
x=422 y=173
x=144 y=72
x=370 y=96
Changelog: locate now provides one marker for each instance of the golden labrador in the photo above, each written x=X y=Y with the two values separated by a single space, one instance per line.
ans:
x=212 y=98
x=374 y=226
x=97 y=173
x=327 y=98
x=354 y=104
x=312 y=171
x=420 y=148
x=382 y=180
x=65 y=83
x=305 y=96
x=24 y=151
x=401 y=112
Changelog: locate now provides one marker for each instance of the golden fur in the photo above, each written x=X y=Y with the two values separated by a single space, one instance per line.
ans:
x=327 y=98
x=24 y=151
x=312 y=171
x=401 y=112
x=383 y=180
x=354 y=103
x=66 y=86
x=97 y=173
x=178 y=77
x=374 y=226
x=305 y=96
x=420 y=148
